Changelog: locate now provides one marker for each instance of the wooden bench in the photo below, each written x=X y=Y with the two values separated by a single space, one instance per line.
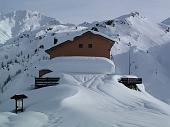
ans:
x=44 y=82
x=131 y=82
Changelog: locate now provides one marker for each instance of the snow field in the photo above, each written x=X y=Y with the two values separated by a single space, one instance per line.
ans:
x=93 y=100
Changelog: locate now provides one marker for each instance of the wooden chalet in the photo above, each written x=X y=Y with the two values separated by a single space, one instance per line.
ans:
x=89 y=43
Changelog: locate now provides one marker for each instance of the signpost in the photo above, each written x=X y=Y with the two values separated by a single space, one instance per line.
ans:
x=19 y=106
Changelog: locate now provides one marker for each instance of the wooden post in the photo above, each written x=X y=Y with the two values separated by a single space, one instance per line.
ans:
x=22 y=105
x=16 y=106
x=129 y=58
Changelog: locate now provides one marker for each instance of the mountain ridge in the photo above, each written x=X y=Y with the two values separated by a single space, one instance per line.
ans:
x=14 y=23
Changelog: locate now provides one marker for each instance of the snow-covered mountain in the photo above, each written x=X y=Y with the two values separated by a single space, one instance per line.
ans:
x=14 y=23
x=149 y=50
x=166 y=21
x=103 y=97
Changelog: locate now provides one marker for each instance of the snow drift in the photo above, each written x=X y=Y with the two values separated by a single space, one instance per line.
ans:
x=88 y=100
x=90 y=65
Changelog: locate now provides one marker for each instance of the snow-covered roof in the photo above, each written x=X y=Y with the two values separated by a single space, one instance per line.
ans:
x=69 y=36
x=77 y=64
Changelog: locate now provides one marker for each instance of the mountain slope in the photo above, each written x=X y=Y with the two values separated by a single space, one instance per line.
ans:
x=14 y=23
x=148 y=53
x=166 y=21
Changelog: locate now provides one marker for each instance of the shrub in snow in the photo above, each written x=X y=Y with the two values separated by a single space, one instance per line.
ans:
x=53 y=34
x=18 y=55
x=26 y=35
x=6 y=56
x=95 y=29
x=35 y=51
x=9 y=62
x=41 y=47
x=48 y=29
x=18 y=72
x=28 y=56
x=7 y=80
x=39 y=37
x=97 y=24
x=21 y=53
x=16 y=61
x=2 y=65
x=109 y=22
x=21 y=37
x=7 y=66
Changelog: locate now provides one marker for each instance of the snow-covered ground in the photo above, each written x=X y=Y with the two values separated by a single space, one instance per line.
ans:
x=88 y=100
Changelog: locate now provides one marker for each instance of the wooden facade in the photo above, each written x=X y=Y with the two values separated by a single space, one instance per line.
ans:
x=88 y=44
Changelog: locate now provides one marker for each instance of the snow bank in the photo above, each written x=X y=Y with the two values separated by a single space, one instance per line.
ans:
x=80 y=65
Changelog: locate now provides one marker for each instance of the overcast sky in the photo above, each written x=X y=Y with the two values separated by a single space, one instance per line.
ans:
x=77 y=11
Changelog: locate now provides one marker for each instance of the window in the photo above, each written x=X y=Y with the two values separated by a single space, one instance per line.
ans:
x=80 y=45
x=90 y=45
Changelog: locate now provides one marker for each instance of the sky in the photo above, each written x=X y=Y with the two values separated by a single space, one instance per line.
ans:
x=78 y=11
